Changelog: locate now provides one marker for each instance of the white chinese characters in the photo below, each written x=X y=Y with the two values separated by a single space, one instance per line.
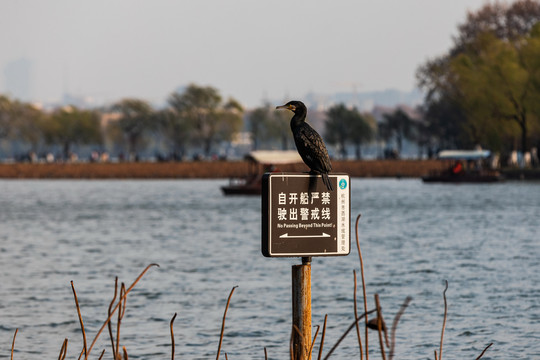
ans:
x=300 y=209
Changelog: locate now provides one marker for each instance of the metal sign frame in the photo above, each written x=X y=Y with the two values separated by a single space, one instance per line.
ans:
x=302 y=218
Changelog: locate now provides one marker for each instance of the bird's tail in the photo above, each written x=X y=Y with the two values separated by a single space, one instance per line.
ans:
x=326 y=181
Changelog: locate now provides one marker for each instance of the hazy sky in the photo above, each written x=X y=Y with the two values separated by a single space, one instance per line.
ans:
x=248 y=49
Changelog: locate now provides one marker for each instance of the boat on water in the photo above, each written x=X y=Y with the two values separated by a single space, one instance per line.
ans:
x=465 y=166
x=259 y=163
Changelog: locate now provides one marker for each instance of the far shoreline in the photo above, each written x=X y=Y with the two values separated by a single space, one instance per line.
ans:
x=206 y=169
x=230 y=169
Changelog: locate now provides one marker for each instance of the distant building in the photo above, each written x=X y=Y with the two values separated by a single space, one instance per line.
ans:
x=363 y=101
x=81 y=102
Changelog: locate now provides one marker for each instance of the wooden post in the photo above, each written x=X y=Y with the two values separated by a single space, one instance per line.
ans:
x=301 y=309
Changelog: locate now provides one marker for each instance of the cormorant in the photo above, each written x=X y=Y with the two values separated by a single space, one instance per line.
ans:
x=308 y=142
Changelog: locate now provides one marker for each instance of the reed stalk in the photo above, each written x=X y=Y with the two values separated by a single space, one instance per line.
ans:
x=394 y=326
x=380 y=325
x=482 y=354
x=347 y=332
x=80 y=319
x=300 y=336
x=322 y=337
x=63 y=350
x=121 y=311
x=444 y=320
x=116 y=307
x=13 y=342
x=109 y=312
x=223 y=322
x=172 y=336
x=313 y=341
x=356 y=316
x=363 y=282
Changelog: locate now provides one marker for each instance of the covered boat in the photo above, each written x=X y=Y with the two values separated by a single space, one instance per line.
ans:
x=466 y=166
x=260 y=162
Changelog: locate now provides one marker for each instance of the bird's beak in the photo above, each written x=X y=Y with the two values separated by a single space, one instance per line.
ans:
x=288 y=107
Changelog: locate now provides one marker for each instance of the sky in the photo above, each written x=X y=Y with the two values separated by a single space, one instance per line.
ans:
x=251 y=50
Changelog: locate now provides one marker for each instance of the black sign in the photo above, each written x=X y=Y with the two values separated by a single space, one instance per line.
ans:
x=301 y=217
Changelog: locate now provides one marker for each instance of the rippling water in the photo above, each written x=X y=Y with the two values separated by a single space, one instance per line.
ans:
x=483 y=239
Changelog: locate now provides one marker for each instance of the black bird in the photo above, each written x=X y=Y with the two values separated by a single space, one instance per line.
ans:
x=308 y=142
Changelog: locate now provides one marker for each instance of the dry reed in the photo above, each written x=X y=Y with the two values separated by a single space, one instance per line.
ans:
x=380 y=325
x=109 y=325
x=483 y=352
x=356 y=316
x=80 y=319
x=116 y=307
x=172 y=336
x=394 y=326
x=223 y=322
x=363 y=283
x=444 y=322
x=322 y=338
x=13 y=342
x=347 y=332
x=314 y=338
x=63 y=350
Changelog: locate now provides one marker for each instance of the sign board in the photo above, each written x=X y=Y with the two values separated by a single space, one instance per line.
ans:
x=301 y=217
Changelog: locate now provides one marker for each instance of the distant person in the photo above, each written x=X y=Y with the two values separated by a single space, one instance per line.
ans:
x=457 y=168
x=534 y=157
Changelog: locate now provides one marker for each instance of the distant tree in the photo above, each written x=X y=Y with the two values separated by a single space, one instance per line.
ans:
x=348 y=126
x=258 y=120
x=268 y=126
x=505 y=21
x=230 y=120
x=422 y=137
x=5 y=116
x=488 y=75
x=279 y=128
x=176 y=130
x=338 y=127
x=397 y=125
x=363 y=130
x=136 y=119
x=69 y=126
x=446 y=123
x=497 y=83
x=205 y=113
x=27 y=124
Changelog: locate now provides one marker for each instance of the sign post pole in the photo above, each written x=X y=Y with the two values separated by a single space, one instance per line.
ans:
x=302 y=218
x=301 y=309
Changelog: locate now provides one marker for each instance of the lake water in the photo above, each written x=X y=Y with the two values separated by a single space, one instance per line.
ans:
x=483 y=239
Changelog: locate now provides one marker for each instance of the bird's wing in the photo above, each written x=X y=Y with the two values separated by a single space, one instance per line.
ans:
x=312 y=149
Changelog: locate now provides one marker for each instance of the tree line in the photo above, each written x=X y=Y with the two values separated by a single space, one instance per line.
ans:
x=197 y=118
x=486 y=89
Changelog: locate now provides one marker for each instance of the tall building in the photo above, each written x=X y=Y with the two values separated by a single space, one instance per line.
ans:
x=18 y=79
